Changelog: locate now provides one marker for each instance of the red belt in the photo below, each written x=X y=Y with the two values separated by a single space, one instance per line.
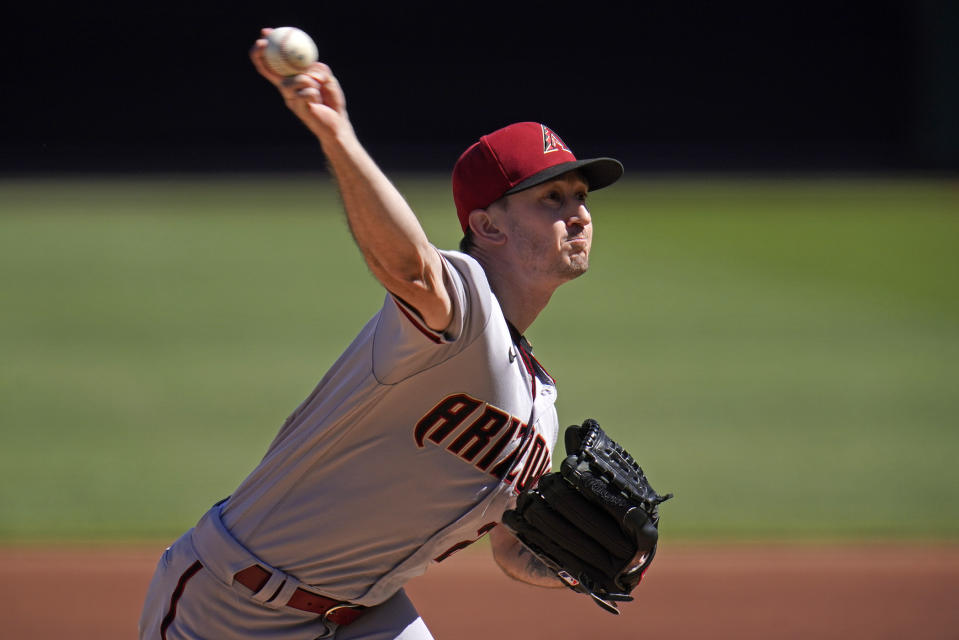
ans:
x=255 y=578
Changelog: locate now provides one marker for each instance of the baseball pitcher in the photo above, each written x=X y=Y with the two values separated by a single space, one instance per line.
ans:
x=435 y=427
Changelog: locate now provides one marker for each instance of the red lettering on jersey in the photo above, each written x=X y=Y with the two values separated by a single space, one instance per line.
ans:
x=479 y=434
x=444 y=418
x=507 y=464
x=544 y=467
x=517 y=469
x=497 y=449
x=534 y=463
x=529 y=459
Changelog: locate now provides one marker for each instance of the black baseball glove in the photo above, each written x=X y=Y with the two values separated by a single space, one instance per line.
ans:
x=595 y=523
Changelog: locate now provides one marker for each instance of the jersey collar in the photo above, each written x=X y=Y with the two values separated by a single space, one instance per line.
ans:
x=526 y=353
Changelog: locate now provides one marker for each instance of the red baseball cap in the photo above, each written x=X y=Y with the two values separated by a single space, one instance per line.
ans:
x=517 y=157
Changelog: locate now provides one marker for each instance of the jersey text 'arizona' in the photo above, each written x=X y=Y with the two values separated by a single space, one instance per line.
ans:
x=458 y=418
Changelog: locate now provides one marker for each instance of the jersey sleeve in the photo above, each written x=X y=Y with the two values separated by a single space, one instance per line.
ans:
x=402 y=343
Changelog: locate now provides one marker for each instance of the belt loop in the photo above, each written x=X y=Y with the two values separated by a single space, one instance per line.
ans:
x=282 y=596
x=267 y=592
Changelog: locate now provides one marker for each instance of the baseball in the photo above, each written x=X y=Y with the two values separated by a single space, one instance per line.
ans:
x=289 y=51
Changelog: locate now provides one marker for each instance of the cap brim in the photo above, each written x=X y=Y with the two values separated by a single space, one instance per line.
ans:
x=599 y=173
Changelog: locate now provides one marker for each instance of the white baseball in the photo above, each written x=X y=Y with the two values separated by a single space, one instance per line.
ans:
x=289 y=51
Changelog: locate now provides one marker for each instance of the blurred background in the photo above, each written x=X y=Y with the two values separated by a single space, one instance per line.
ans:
x=663 y=85
x=771 y=320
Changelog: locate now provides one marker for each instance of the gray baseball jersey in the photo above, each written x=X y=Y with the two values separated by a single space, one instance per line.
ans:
x=409 y=449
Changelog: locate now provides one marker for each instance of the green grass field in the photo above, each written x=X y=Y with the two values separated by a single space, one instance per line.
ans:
x=783 y=355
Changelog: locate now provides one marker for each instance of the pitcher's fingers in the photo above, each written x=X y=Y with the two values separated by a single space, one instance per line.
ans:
x=259 y=61
x=291 y=86
x=333 y=95
x=302 y=80
x=310 y=94
x=320 y=72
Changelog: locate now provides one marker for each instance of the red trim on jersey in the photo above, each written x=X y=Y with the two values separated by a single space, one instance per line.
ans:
x=482 y=531
x=177 y=594
x=426 y=331
x=456 y=547
x=533 y=367
x=540 y=368
x=528 y=362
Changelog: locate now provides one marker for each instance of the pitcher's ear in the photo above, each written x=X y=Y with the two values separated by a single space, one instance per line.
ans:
x=484 y=228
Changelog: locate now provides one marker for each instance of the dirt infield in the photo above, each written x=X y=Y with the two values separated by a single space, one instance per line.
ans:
x=691 y=592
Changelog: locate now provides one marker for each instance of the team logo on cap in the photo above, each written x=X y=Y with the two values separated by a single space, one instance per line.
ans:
x=552 y=142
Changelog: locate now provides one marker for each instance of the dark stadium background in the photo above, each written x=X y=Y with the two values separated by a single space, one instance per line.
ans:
x=666 y=86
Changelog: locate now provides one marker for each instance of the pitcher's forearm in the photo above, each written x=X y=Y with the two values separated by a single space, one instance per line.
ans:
x=386 y=230
x=518 y=563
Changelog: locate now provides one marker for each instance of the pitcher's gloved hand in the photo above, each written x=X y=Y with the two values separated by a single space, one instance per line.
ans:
x=595 y=523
